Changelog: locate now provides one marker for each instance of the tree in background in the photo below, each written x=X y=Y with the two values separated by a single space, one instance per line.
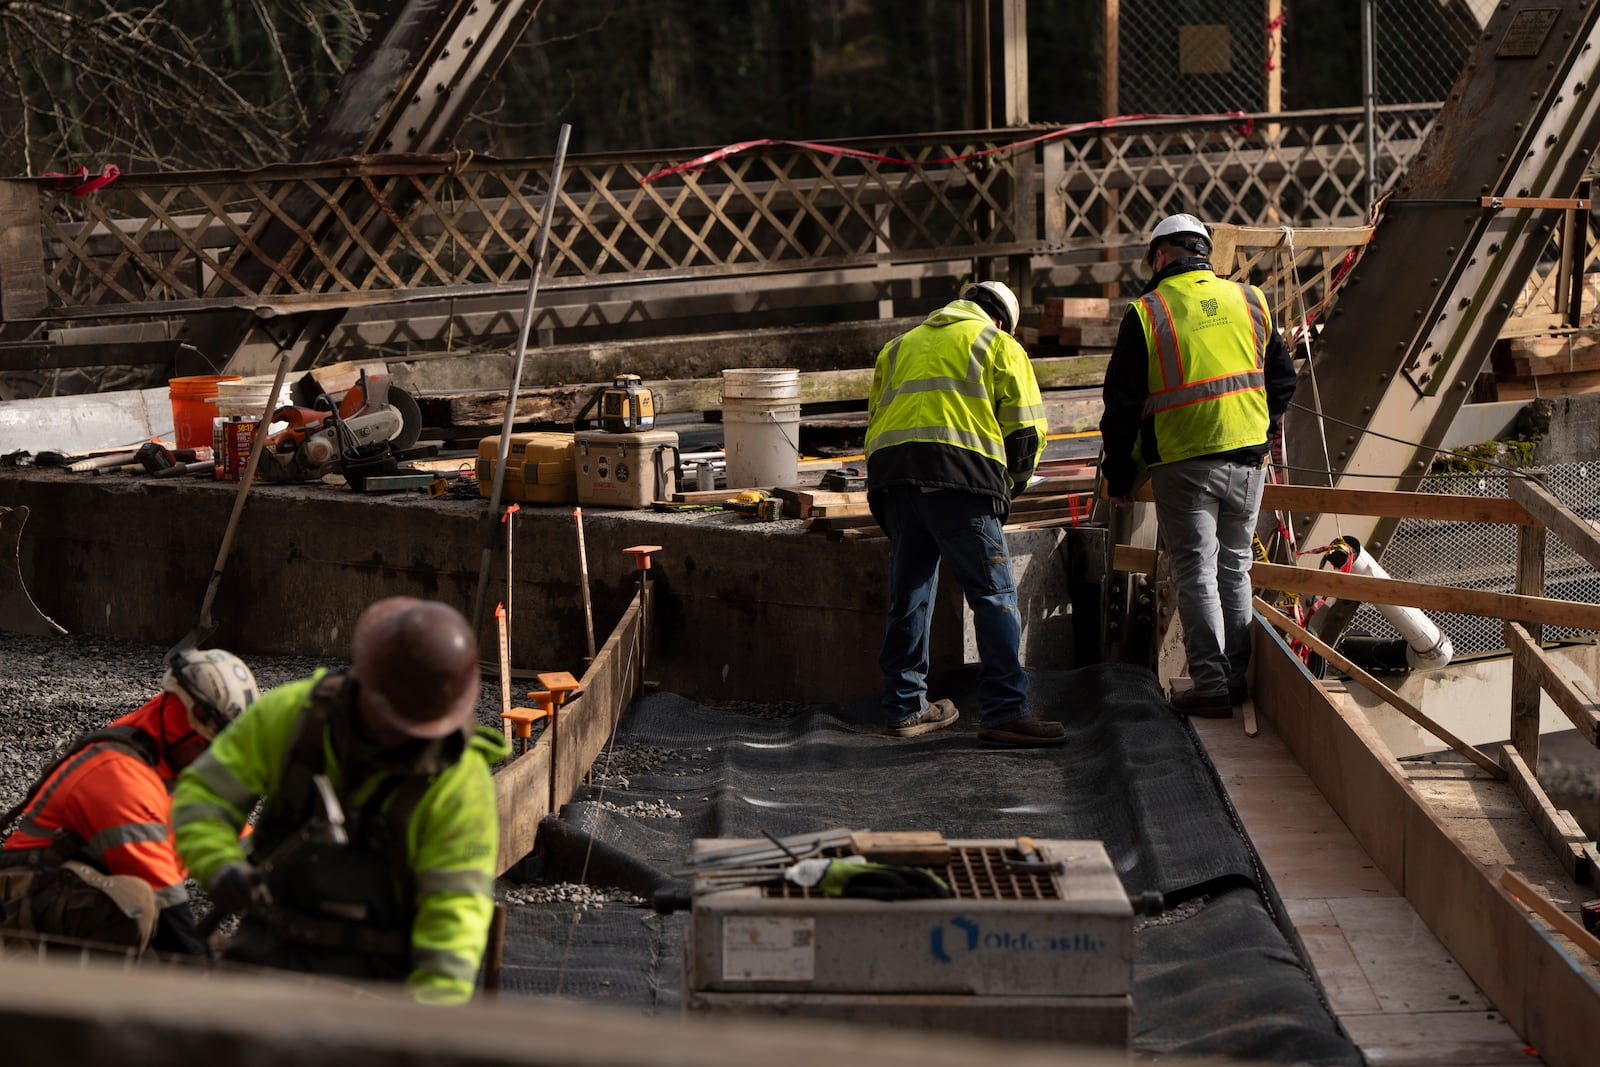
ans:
x=177 y=83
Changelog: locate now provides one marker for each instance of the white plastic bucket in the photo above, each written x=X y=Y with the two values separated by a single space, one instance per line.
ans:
x=248 y=396
x=761 y=426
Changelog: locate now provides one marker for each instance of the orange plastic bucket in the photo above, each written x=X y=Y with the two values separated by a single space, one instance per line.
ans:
x=193 y=408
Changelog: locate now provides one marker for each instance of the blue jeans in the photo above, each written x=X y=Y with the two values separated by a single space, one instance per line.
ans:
x=1206 y=509
x=962 y=529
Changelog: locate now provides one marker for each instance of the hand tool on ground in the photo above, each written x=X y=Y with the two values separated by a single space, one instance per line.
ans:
x=356 y=434
x=327 y=828
x=163 y=462
x=843 y=480
x=756 y=504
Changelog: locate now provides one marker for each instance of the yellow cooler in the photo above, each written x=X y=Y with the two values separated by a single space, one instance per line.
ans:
x=539 y=468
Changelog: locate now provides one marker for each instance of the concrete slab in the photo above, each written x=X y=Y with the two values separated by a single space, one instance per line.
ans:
x=743 y=610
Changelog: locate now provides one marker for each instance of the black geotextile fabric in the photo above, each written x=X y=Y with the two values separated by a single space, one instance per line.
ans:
x=1213 y=975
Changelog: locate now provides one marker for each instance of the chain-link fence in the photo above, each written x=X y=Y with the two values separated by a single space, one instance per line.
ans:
x=1420 y=46
x=1182 y=57
x=1483 y=556
x=1207 y=56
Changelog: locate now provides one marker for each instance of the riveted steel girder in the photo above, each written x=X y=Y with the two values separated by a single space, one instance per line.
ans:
x=1420 y=312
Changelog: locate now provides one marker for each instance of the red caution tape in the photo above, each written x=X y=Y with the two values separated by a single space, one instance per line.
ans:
x=86 y=184
x=1245 y=128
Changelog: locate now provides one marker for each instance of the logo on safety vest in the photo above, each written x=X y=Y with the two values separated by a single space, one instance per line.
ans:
x=1209 y=307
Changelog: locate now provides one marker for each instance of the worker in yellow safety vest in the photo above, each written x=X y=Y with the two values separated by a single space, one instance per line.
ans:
x=406 y=891
x=1198 y=380
x=955 y=427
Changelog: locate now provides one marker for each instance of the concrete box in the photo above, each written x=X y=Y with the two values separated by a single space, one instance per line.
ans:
x=626 y=470
x=1076 y=942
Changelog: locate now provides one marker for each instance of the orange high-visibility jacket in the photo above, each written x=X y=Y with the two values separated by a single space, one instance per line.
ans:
x=117 y=804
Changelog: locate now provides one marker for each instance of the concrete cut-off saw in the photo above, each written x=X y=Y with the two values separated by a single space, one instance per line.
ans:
x=361 y=434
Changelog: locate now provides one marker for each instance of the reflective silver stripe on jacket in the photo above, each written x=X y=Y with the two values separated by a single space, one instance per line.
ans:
x=128 y=833
x=943 y=434
x=221 y=780
x=971 y=387
x=462 y=880
x=442 y=961
x=27 y=824
x=1165 y=337
x=1258 y=323
x=1206 y=390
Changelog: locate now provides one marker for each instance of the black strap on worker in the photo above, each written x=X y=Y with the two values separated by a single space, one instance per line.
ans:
x=299 y=928
x=129 y=739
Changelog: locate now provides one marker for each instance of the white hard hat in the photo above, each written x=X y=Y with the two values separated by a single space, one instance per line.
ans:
x=996 y=297
x=215 y=686
x=1173 y=225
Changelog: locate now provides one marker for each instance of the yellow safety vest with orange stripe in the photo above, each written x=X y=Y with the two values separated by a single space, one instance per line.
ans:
x=1207 y=341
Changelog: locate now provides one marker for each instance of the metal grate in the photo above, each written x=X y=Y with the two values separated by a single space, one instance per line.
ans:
x=975 y=872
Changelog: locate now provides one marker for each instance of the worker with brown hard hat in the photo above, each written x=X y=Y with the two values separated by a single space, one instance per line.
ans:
x=955 y=428
x=405 y=893
x=92 y=856
x=1197 y=381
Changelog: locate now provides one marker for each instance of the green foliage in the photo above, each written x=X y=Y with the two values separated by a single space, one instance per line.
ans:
x=1507 y=452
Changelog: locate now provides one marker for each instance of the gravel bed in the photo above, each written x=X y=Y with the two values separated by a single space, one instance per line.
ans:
x=54 y=688
x=580 y=897
x=616 y=766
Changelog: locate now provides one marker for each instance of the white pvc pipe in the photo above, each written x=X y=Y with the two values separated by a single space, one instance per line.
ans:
x=1427 y=647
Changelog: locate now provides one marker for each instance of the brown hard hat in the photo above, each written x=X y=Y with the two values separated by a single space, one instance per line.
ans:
x=417 y=662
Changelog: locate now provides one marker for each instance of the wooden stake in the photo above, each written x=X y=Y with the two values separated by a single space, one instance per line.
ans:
x=583 y=582
x=505 y=670
x=1529 y=896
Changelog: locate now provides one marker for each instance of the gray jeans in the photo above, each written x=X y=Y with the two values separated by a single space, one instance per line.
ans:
x=1206 y=509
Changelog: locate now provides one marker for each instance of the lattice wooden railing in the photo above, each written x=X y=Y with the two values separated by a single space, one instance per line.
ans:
x=389 y=230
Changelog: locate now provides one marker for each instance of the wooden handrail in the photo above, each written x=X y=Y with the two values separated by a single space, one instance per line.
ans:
x=1274 y=617
x=1387 y=504
x=1559 y=519
x=1526 y=653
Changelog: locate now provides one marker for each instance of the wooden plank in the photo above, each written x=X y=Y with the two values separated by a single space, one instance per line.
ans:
x=561 y=404
x=920 y=848
x=1551 y=1002
x=1517 y=388
x=1555 y=825
x=1525 y=651
x=22 y=267
x=1524 y=687
x=521 y=784
x=1530 y=897
x=1388 y=504
x=1574 y=531
x=1087 y=335
x=1393 y=505
x=1276 y=618
x=1514 y=606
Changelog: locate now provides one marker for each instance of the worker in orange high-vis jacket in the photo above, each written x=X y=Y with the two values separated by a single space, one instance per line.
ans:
x=91 y=856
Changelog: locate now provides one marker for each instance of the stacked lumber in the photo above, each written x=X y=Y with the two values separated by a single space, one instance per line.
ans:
x=1552 y=365
x=1072 y=325
x=1062 y=497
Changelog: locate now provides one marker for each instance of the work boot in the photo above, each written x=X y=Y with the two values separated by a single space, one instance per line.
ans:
x=935 y=716
x=1028 y=730
x=1202 y=705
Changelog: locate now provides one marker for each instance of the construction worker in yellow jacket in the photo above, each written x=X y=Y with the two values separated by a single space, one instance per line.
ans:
x=1197 y=380
x=410 y=895
x=955 y=427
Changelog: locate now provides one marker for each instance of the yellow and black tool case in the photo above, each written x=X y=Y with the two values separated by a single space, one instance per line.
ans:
x=540 y=468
